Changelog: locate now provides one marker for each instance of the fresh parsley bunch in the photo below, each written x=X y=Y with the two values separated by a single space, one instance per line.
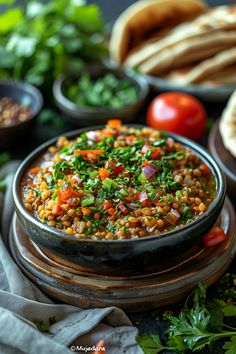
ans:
x=38 y=41
x=196 y=327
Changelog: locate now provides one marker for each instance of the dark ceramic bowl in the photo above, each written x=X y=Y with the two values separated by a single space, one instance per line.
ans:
x=85 y=116
x=24 y=94
x=117 y=257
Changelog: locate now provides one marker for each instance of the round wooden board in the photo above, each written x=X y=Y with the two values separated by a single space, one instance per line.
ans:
x=224 y=158
x=73 y=285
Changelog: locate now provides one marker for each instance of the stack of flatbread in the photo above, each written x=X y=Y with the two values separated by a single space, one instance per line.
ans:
x=228 y=125
x=184 y=42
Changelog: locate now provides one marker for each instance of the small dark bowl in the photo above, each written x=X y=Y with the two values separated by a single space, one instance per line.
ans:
x=117 y=257
x=25 y=94
x=85 y=116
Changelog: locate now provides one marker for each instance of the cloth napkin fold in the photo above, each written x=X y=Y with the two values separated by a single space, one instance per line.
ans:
x=21 y=303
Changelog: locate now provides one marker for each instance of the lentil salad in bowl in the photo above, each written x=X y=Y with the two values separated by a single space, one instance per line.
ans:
x=94 y=197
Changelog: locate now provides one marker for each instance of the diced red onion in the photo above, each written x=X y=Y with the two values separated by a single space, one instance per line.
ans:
x=170 y=140
x=149 y=170
x=143 y=196
x=77 y=179
x=47 y=164
x=150 y=229
x=145 y=149
x=188 y=181
x=122 y=207
x=175 y=212
x=133 y=206
x=172 y=217
x=92 y=136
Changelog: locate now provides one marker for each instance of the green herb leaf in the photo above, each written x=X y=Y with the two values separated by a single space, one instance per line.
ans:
x=150 y=343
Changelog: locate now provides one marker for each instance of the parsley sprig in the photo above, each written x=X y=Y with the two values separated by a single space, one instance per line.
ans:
x=197 y=326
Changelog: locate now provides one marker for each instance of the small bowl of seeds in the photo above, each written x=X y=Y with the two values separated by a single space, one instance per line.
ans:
x=20 y=103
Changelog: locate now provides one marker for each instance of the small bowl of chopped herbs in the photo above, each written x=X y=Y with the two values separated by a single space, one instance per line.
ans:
x=20 y=103
x=100 y=92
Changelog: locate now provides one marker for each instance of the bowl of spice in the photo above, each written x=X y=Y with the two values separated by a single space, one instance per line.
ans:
x=20 y=103
x=100 y=92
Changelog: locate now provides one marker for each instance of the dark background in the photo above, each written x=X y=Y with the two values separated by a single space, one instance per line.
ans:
x=112 y=8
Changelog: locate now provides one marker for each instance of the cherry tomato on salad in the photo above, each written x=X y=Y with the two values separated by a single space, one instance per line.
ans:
x=178 y=113
x=214 y=237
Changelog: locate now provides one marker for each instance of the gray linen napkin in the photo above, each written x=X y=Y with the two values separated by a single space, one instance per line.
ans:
x=21 y=303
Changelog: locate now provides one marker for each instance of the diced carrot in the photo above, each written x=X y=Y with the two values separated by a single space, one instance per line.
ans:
x=204 y=169
x=86 y=152
x=86 y=210
x=107 y=134
x=69 y=192
x=35 y=170
x=107 y=205
x=114 y=123
x=146 y=163
x=103 y=173
x=129 y=198
x=56 y=209
x=112 y=211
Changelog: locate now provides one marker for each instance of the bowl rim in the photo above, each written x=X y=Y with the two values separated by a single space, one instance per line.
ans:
x=62 y=100
x=189 y=144
x=28 y=88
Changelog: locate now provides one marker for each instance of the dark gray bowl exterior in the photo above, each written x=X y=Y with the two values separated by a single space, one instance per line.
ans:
x=85 y=116
x=23 y=93
x=121 y=256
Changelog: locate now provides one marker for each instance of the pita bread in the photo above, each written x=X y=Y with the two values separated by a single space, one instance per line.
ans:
x=220 y=18
x=145 y=16
x=226 y=76
x=186 y=52
x=227 y=125
x=211 y=66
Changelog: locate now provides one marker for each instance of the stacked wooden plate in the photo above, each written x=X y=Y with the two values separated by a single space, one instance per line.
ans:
x=68 y=282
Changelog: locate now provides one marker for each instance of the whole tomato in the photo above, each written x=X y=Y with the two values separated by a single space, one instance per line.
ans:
x=178 y=113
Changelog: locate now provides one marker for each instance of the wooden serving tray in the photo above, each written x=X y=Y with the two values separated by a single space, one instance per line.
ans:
x=73 y=285
x=224 y=158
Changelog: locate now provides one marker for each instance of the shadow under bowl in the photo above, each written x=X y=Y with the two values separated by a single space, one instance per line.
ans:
x=85 y=116
x=126 y=257
x=24 y=94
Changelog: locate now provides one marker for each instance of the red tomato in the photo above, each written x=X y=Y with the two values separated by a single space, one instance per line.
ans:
x=179 y=113
x=214 y=237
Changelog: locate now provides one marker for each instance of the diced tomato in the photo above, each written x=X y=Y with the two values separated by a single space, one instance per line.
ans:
x=114 y=123
x=155 y=154
x=204 y=169
x=86 y=211
x=111 y=211
x=129 y=199
x=136 y=195
x=103 y=173
x=123 y=209
x=146 y=203
x=107 y=205
x=67 y=193
x=108 y=134
x=56 y=209
x=118 y=170
x=145 y=149
x=214 y=237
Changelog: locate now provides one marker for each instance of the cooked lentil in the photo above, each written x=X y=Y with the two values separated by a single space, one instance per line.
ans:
x=118 y=183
